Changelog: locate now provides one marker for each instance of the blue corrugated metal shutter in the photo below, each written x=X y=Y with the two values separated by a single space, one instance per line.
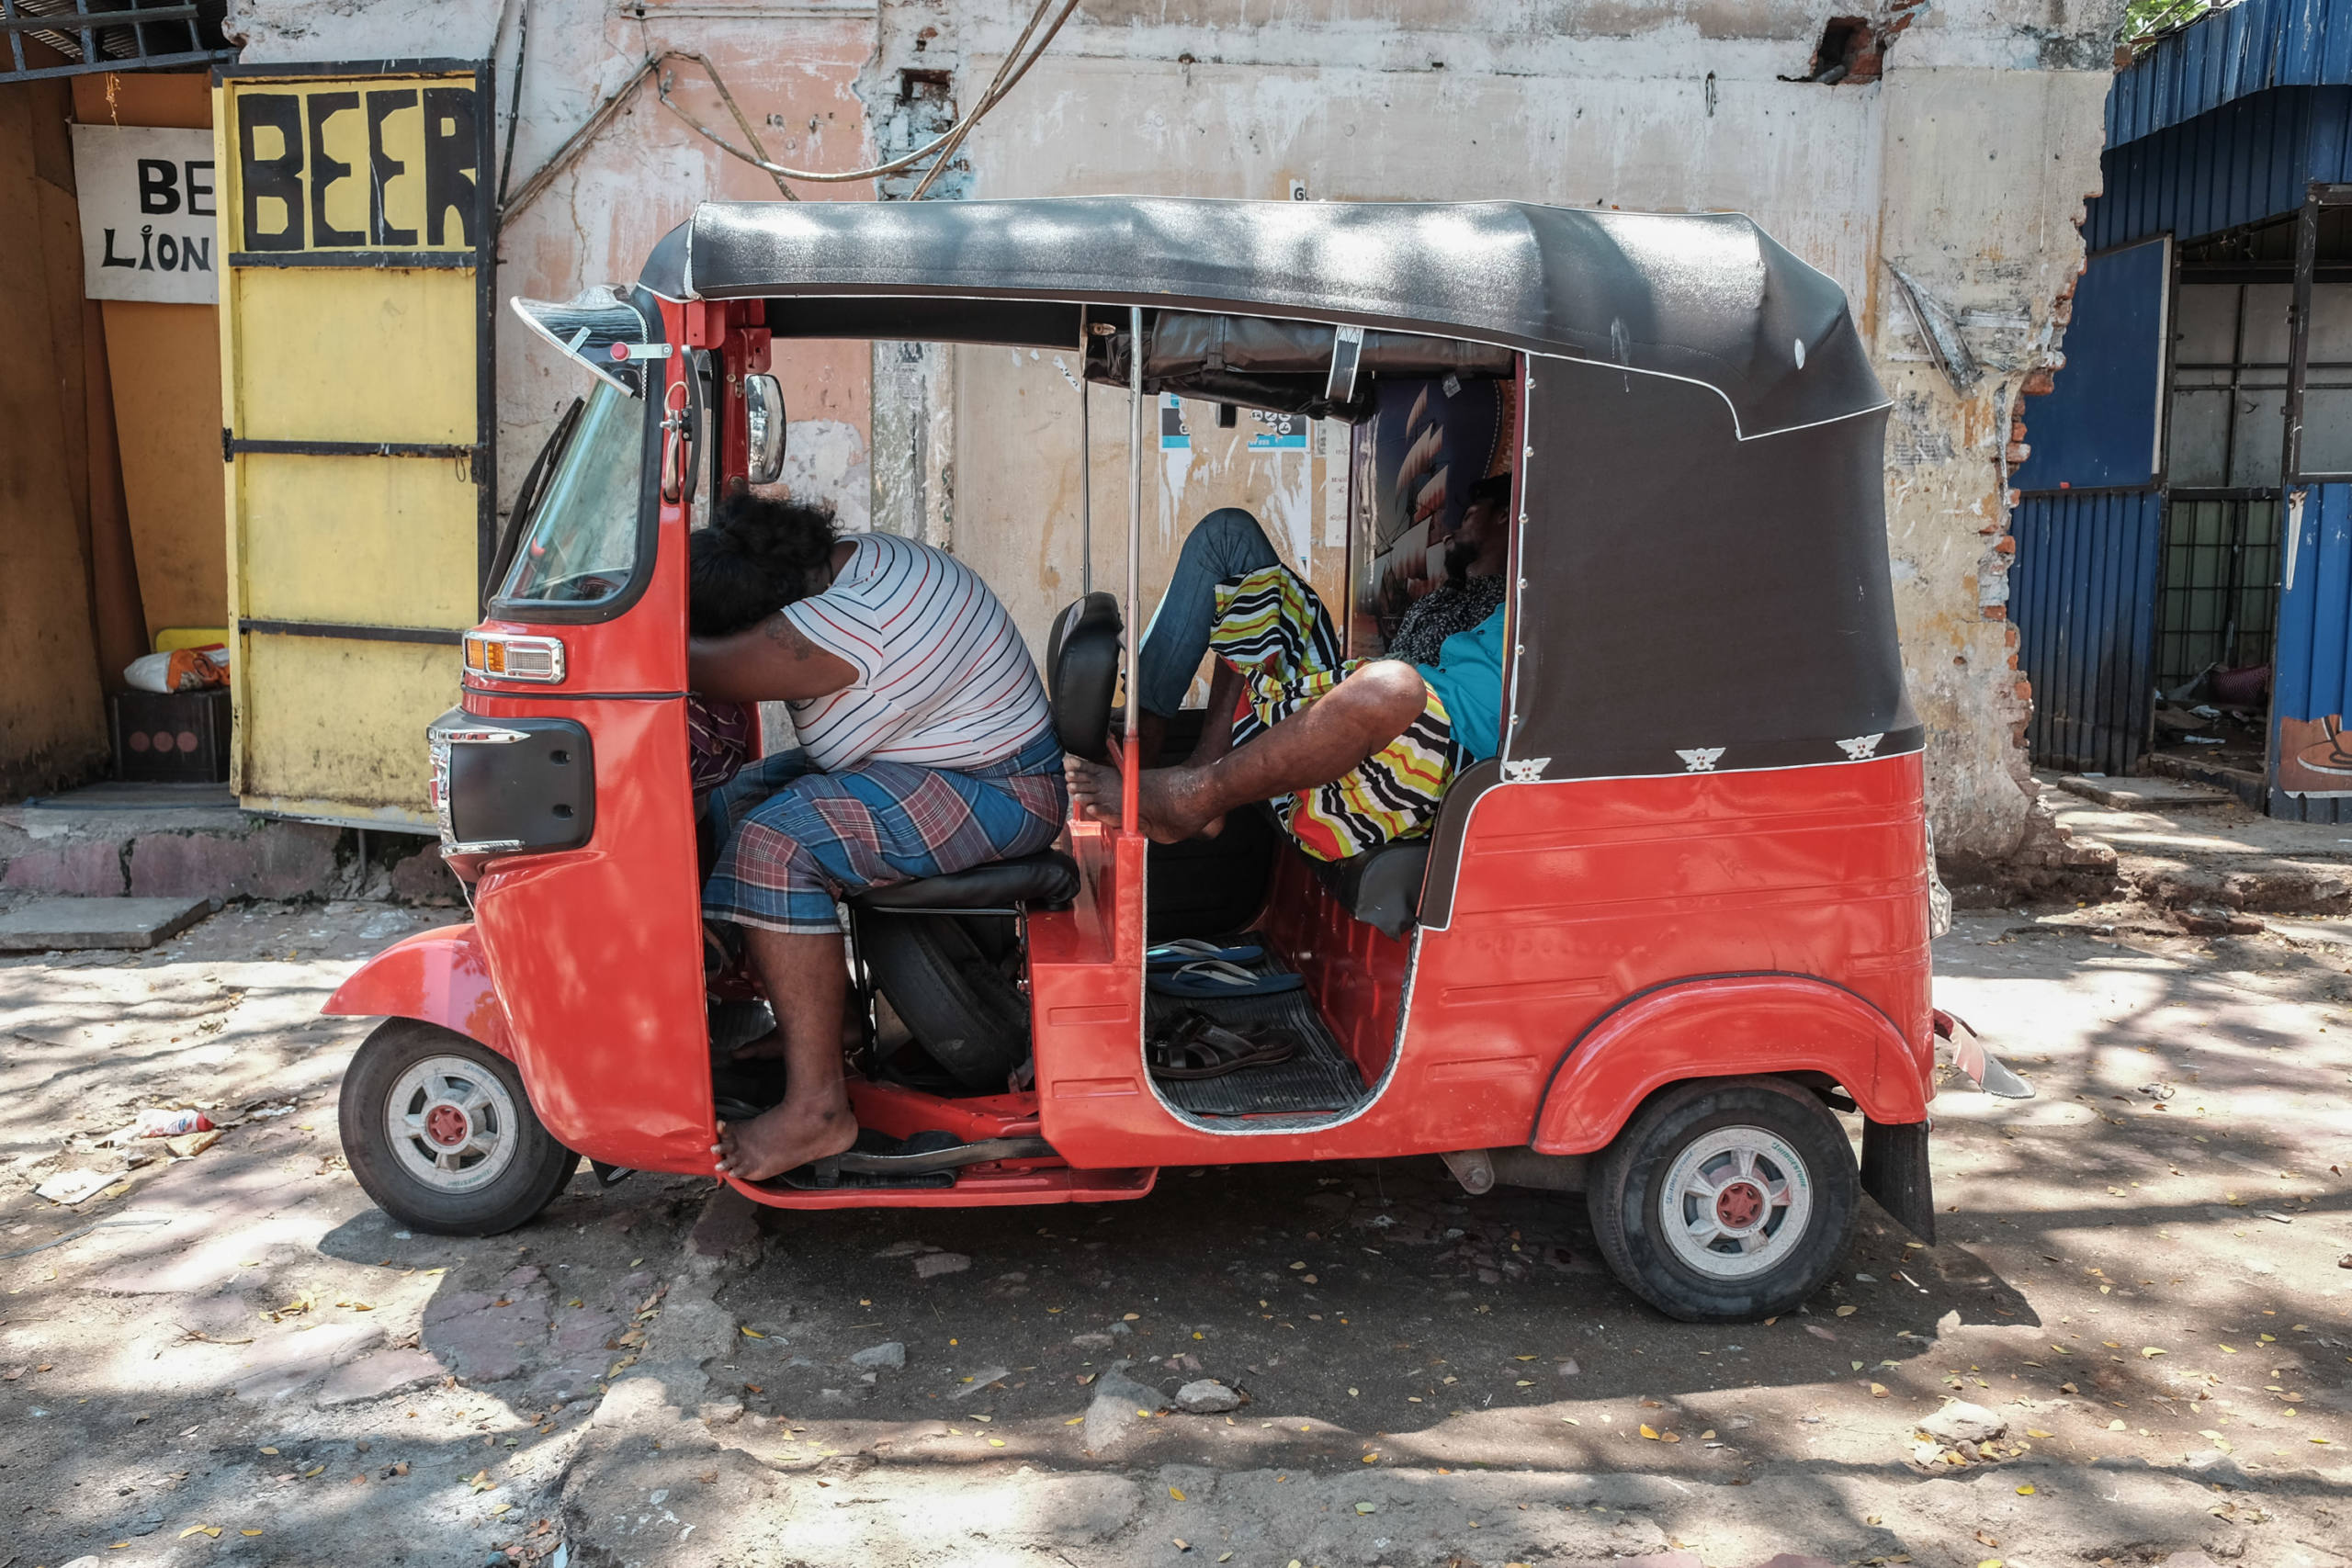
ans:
x=2084 y=589
x=2098 y=426
x=2312 y=669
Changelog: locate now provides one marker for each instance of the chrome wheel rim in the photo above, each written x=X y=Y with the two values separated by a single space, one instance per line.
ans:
x=1736 y=1202
x=452 y=1123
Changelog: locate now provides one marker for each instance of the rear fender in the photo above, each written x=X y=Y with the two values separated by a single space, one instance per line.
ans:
x=440 y=976
x=1731 y=1026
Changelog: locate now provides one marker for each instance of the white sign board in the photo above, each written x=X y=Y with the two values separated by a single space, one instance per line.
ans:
x=149 y=229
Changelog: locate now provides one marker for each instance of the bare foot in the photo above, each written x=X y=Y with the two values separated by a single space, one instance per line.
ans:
x=1172 y=802
x=782 y=1139
x=1094 y=790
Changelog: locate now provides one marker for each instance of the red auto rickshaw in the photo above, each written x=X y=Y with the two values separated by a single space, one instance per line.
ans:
x=1654 y=951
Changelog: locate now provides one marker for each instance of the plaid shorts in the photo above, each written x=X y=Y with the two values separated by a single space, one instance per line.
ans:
x=794 y=840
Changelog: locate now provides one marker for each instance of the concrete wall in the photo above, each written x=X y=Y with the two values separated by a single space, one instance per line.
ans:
x=1966 y=162
x=53 y=723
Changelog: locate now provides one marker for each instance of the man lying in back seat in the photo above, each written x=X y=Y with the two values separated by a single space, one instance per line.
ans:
x=926 y=748
x=1352 y=754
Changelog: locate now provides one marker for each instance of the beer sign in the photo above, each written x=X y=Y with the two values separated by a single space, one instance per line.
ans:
x=342 y=170
x=150 y=229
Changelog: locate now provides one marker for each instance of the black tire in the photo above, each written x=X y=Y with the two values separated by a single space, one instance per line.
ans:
x=483 y=1107
x=1792 y=1142
x=961 y=1009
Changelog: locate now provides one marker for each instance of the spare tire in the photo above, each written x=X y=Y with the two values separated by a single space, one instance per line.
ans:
x=964 y=1010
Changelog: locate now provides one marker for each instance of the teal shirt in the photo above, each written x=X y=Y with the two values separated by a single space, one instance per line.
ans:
x=1469 y=678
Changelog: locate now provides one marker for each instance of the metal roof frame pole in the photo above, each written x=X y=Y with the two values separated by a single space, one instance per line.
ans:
x=1085 y=469
x=2299 y=341
x=1131 y=771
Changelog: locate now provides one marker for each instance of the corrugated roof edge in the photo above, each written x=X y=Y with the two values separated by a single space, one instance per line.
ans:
x=2232 y=51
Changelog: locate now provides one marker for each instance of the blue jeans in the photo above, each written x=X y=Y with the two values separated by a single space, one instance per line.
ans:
x=1228 y=543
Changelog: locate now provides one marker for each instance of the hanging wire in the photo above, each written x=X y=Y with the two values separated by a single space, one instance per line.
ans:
x=514 y=100
x=1023 y=54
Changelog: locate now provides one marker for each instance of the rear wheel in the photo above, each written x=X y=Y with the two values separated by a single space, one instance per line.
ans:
x=441 y=1135
x=1726 y=1199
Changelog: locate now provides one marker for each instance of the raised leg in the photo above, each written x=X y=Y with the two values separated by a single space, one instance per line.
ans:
x=807 y=980
x=1352 y=722
x=1228 y=543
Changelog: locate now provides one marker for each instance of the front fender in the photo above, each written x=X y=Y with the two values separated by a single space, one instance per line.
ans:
x=1730 y=1026
x=440 y=976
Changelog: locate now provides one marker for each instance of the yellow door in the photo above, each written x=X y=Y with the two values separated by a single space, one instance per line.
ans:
x=356 y=222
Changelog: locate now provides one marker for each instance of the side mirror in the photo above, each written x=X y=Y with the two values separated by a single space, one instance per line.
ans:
x=764 y=422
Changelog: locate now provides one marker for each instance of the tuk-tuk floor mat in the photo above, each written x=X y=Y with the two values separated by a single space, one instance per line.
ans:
x=1319 y=1077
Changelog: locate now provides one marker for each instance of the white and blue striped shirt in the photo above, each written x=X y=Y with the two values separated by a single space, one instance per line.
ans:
x=943 y=680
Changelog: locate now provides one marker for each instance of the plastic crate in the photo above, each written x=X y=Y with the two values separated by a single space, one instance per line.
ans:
x=180 y=738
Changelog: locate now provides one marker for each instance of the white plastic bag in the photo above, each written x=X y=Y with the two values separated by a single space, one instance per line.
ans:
x=153 y=672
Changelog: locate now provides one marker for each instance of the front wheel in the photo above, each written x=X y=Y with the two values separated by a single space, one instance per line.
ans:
x=1725 y=1200
x=440 y=1134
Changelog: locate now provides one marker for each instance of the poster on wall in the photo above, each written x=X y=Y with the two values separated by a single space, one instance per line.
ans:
x=149 y=226
x=2315 y=757
x=1414 y=459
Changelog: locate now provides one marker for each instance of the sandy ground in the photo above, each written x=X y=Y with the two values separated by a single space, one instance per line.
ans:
x=2142 y=1276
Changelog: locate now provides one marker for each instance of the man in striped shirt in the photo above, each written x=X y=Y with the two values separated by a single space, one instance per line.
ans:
x=926 y=747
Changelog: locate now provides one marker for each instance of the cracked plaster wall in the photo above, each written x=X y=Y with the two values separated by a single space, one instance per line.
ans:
x=1967 y=163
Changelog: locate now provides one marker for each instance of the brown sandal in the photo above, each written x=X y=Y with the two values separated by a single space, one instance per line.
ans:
x=1200 y=1048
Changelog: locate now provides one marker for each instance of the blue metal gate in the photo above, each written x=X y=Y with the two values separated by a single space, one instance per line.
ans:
x=2083 y=598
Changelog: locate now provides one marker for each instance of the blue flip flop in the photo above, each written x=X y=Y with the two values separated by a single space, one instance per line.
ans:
x=1210 y=978
x=1192 y=950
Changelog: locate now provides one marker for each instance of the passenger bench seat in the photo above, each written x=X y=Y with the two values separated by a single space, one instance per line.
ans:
x=1384 y=888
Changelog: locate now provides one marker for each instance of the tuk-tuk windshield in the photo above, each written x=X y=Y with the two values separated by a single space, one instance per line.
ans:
x=582 y=543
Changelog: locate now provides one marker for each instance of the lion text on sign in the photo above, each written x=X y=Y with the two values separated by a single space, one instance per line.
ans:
x=149 y=229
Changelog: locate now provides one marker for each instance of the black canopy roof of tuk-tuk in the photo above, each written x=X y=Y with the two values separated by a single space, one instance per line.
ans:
x=1707 y=298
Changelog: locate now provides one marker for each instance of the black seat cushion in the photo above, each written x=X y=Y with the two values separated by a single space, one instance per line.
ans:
x=1082 y=675
x=1382 y=888
x=1048 y=878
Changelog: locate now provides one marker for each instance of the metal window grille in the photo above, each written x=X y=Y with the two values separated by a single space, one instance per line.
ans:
x=111 y=35
x=2218 y=601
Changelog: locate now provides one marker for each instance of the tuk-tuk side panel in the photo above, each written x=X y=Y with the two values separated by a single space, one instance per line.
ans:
x=1575 y=895
x=597 y=950
x=1355 y=972
x=1726 y=1026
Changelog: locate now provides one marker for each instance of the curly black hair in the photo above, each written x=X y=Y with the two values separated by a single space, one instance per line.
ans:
x=759 y=554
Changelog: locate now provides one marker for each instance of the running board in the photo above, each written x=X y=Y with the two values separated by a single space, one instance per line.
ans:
x=954 y=1158
x=991 y=1187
